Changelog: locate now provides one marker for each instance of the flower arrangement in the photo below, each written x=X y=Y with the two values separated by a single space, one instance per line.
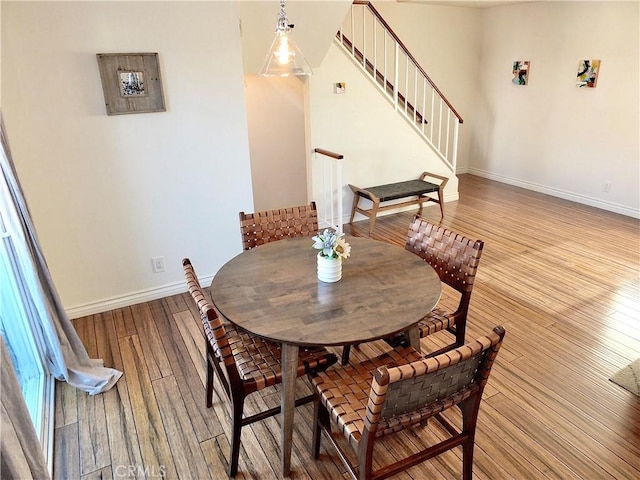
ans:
x=331 y=244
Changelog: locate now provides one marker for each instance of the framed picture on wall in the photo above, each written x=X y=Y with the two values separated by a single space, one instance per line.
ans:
x=131 y=82
x=588 y=73
x=521 y=72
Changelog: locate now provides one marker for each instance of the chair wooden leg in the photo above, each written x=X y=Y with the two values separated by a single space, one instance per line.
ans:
x=315 y=439
x=469 y=409
x=209 y=389
x=345 y=354
x=236 y=431
x=467 y=459
x=365 y=457
x=461 y=327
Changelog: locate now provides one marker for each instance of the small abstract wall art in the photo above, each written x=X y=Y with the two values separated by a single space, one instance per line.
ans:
x=588 y=73
x=520 y=72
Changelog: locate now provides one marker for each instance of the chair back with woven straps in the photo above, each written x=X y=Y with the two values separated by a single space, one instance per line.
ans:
x=271 y=225
x=402 y=389
x=217 y=342
x=407 y=395
x=455 y=258
x=452 y=255
x=245 y=363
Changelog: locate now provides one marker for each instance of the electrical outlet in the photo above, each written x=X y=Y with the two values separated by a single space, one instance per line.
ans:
x=606 y=188
x=158 y=264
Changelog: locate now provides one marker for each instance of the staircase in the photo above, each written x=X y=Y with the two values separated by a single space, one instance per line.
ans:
x=367 y=39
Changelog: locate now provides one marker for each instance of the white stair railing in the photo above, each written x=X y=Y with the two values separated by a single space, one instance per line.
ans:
x=379 y=53
x=329 y=197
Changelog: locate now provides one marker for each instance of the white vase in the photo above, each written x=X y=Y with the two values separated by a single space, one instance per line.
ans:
x=329 y=269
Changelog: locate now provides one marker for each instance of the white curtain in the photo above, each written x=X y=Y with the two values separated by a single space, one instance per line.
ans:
x=64 y=354
x=21 y=455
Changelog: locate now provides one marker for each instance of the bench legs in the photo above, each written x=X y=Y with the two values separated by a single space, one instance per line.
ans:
x=354 y=207
x=439 y=202
x=372 y=217
x=371 y=213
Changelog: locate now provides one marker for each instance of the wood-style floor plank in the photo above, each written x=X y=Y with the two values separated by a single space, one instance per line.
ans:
x=154 y=354
x=102 y=474
x=93 y=433
x=66 y=463
x=154 y=447
x=66 y=411
x=185 y=448
x=563 y=279
x=187 y=373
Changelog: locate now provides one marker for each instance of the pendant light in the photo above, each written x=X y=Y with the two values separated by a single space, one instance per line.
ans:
x=284 y=58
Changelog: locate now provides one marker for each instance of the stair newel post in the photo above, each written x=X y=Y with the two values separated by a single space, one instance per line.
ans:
x=330 y=196
x=454 y=154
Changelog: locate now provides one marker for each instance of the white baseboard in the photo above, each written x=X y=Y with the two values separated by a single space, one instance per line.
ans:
x=179 y=287
x=555 y=192
x=131 y=298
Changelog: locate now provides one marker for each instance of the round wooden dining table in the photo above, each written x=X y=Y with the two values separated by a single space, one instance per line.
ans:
x=273 y=291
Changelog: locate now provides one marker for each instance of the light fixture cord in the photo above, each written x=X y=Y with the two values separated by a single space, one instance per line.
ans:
x=283 y=22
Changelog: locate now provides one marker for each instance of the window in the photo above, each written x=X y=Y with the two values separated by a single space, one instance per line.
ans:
x=17 y=308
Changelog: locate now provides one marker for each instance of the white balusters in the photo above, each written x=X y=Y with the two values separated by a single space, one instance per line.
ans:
x=363 y=47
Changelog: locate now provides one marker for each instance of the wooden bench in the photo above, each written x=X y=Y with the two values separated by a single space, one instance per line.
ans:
x=420 y=189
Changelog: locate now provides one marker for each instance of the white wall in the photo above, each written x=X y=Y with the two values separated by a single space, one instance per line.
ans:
x=275 y=106
x=550 y=135
x=275 y=114
x=315 y=23
x=378 y=145
x=446 y=41
x=107 y=193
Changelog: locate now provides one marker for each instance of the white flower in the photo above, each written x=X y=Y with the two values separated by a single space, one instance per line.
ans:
x=342 y=248
x=331 y=244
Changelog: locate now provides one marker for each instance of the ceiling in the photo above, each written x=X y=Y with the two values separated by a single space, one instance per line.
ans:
x=467 y=3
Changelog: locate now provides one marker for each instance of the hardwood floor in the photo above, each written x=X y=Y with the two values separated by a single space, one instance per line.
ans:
x=562 y=278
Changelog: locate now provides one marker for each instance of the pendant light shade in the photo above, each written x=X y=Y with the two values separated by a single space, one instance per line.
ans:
x=284 y=58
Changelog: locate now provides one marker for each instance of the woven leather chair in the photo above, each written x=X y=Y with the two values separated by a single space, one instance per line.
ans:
x=455 y=258
x=245 y=363
x=271 y=225
x=371 y=400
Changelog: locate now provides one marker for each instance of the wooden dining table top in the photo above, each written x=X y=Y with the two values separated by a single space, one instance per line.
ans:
x=273 y=291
